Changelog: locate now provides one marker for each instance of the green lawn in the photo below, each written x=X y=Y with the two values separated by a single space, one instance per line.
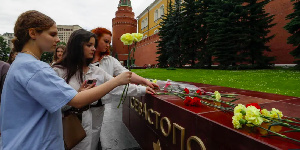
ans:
x=278 y=81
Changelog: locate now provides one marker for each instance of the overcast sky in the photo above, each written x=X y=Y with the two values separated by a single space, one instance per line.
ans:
x=86 y=13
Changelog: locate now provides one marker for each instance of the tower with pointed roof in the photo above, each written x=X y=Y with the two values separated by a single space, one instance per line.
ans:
x=124 y=22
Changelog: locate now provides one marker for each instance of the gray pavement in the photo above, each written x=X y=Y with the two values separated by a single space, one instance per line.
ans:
x=114 y=134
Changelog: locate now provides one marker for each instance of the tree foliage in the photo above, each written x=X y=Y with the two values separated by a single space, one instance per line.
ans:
x=258 y=24
x=293 y=27
x=4 y=49
x=226 y=32
x=169 y=43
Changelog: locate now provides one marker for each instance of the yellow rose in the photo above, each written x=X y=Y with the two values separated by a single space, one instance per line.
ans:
x=127 y=39
x=236 y=120
x=239 y=108
x=137 y=37
x=275 y=113
x=253 y=116
x=217 y=95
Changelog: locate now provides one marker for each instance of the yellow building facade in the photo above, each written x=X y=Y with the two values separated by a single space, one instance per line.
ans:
x=149 y=19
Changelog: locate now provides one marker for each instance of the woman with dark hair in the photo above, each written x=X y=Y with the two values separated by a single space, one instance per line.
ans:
x=58 y=53
x=112 y=66
x=12 y=56
x=75 y=68
x=33 y=94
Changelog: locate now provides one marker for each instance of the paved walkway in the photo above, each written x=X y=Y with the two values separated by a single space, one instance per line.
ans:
x=114 y=134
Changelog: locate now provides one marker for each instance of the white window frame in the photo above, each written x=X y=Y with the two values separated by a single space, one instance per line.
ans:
x=161 y=10
x=156 y=15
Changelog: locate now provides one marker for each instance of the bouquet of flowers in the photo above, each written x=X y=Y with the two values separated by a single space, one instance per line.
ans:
x=129 y=39
x=272 y=121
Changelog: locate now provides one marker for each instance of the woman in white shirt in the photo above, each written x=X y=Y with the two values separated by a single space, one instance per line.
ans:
x=113 y=67
x=75 y=68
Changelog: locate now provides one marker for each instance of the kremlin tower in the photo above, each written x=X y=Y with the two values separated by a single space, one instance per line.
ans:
x=124 y=22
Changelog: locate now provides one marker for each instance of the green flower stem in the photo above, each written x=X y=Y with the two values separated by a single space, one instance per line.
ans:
x=128 y=58
x=182 y=95
x=282 y=122
x=278 y=134
x=126 y=87
x=212 y=99
x=121 y=100
x=216 y=106
x=298 y=119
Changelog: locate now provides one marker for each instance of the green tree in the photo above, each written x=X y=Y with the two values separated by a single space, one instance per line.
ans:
x=4 y=50
x=189 y=38
x=165 y=34
x=170 y=36
x=175 y=53
x=201 y=33
x=225 y=31
x=258 y=24
x=47 y=57
x=61 y=43
x=293 y=27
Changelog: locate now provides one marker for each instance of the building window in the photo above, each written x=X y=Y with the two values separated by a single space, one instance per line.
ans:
x=161 y=10
x=144 y=23
x=156 y=15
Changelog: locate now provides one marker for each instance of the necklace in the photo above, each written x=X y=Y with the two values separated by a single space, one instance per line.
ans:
x=32 y=54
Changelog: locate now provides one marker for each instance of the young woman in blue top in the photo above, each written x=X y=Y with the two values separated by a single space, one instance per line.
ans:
x=33 y=94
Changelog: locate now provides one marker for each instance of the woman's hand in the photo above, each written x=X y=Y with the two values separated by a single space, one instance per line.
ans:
x=85 y=86
x=151 y=84
x=124 y=78
x=150 y=90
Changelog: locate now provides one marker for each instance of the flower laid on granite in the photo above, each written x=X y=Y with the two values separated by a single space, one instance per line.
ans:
x=128 y=39
x=198 y=97
x=255 y=105
x=152 y=80
x=189 y=101
x=269 y=122
x=217 y=95
x=186 y=91
x=167 y=86
x=253 y=116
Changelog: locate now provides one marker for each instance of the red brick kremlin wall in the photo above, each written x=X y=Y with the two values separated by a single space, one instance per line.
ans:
x=146 y=49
